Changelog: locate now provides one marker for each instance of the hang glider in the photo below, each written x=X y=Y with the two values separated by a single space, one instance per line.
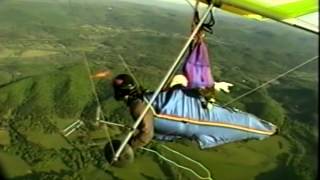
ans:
x=298 y=13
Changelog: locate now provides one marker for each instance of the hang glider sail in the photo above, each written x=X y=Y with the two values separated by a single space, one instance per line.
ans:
x=298 y=13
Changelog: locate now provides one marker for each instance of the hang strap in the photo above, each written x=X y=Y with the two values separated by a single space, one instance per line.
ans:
x=207 y=26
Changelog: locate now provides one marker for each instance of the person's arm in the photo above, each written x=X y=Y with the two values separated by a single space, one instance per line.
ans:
x=145 y=129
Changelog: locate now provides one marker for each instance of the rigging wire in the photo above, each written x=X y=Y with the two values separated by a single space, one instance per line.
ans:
x=179 y=165
x=188 y=158
x=95 y=94
x=272 y=80
x=128 y=69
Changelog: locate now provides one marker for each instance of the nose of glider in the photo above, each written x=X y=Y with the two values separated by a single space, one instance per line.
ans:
x=126 y=157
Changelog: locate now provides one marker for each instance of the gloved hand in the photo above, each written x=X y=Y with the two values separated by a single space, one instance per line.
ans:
x=218 y=86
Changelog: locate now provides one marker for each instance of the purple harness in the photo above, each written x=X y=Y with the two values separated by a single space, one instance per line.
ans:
x=197 y=67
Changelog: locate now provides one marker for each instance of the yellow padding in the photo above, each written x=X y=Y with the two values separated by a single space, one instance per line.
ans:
x=208 y=123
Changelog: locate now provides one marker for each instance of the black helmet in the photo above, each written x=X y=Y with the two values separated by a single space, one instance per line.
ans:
x=123 y=85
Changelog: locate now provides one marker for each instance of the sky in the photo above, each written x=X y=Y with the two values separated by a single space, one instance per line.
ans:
x=180 y=2
x=177 y=1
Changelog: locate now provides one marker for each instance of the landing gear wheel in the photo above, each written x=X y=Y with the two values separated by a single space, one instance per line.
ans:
x=125 y=158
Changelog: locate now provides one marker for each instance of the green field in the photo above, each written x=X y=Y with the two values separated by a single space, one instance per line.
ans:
x=45 y=86
x=13 y=165
x=4 y=137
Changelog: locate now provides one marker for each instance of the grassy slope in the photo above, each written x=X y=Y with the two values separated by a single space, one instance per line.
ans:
x=63 y=95
x=8 y=161
x=227 y=161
